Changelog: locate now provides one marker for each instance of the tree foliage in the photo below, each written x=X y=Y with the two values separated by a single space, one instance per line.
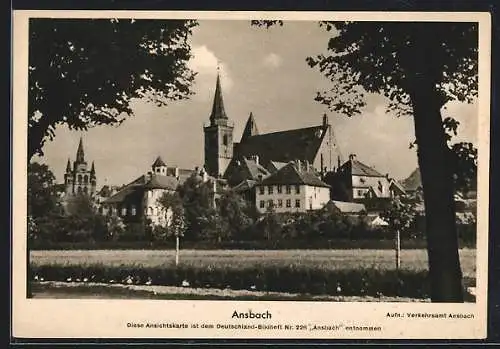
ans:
x=42 y=196
x=419 y=67
x=389 y=57
x=85 y=72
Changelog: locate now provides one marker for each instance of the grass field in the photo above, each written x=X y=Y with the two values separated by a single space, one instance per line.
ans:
x=414 y=260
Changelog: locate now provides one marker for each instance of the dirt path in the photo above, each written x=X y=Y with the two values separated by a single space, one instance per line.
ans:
x=51 y=289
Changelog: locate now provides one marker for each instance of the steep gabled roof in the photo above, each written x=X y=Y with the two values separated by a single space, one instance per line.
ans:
x=413 y=182
x=360 y=169
x=245 y=185
x=275 y=165
x=254 y=169
x=345 y=207
x=162 y=182
x=250 y=128
x=290 y=175
x=284 y=146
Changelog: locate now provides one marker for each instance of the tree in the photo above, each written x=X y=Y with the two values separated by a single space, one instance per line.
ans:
x=401 y=218
x=85 y=72
x=419 y=67
x=236 y=212
x=42 y=196
x=176 y=225
x=196 y=197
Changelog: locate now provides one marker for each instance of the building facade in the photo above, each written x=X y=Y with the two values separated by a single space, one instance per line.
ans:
x=293 y=188
x=79 y=178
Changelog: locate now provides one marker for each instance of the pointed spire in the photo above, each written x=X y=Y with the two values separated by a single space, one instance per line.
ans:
x=250 y=128
x=92 y=170
x=158 y=162
x=68 y=166
x=218 y=112
x=80 y=155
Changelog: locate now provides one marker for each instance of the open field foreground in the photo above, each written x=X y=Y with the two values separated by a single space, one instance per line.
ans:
x=411 y=260
x=337 y=273
x=50 y=289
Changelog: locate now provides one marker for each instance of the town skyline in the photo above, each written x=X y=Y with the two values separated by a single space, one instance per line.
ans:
x=269 y=78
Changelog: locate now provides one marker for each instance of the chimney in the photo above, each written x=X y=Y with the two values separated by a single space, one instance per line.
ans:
x=352 y=157
x=338 y=161
x=325 y=120
x=256 y=159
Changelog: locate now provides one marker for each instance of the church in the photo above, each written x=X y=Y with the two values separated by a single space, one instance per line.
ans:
x=79 y=179
x=261 y=154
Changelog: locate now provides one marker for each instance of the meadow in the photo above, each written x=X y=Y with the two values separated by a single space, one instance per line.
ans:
x=415 y=260
x=368 y=273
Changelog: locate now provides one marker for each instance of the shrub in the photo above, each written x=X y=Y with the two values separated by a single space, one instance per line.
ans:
x=293 y=279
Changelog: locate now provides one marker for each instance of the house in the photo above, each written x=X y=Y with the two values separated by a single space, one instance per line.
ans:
x=139 y=199
x=357 y=182
x=295 y=187
x=345 y=207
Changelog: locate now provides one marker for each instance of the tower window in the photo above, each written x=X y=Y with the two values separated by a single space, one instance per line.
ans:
x=86 y=179
x=225 y=140
x=79 y=178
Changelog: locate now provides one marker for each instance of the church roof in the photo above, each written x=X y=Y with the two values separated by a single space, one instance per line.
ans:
x=284 y=146
x=218 y=111
x=250 y=128
x=291 y=174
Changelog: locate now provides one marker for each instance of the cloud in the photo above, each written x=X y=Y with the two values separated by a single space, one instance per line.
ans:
x=205 y=62
x=272 y=60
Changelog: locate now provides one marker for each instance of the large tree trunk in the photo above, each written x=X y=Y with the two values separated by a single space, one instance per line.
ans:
x=442 y=241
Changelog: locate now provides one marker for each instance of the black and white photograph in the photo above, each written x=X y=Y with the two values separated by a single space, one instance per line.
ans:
x=288 y=160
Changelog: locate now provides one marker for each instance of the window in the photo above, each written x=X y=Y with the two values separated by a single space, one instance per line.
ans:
x=262 y=190
x=280 y=203
x=124 y=211
x=270 y=189
x=225 y=139
x=150 y=210
x=288 y=203
x=270 y=203
x=79 y=178
x=360 y=192
x=134 y=211
x=279 y=189
x=288 y=189
x=262 y=204
x=297 y=203
x=85 y=179
x=85 y=190
x=297 y=189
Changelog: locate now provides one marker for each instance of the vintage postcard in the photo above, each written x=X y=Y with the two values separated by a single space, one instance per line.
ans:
x=284 y=175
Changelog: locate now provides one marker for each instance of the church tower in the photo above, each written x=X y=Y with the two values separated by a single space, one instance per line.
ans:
x=79 y=179
x=218 y=137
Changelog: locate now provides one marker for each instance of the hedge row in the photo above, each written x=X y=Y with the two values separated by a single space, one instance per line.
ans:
x=348 y=282
x=336 y=244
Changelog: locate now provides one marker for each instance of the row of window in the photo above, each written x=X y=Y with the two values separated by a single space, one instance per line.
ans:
x=288 y=203
x=279 y=189
x=133 y=211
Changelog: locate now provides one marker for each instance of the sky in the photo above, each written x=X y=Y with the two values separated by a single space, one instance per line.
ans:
x=263 y=72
